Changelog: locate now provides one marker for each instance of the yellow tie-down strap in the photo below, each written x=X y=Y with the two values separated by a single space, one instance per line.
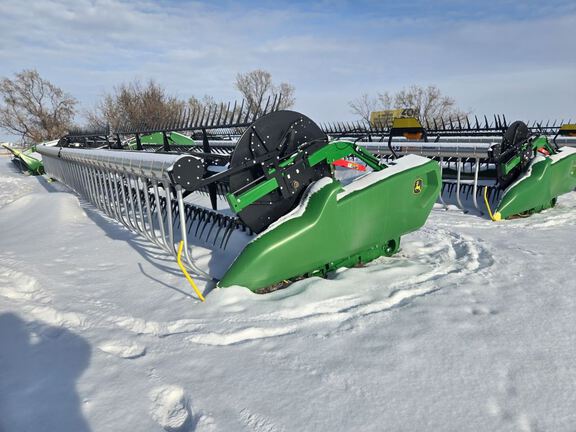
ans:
x=495 y=217
x=190 y=280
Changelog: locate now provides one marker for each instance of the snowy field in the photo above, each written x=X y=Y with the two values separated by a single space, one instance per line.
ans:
x=471 y=327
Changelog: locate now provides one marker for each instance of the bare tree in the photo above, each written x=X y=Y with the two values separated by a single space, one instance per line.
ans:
x=256 y=86
x=365 y=104
x=34 y=108
x=287 y=91
x=208 y=106
x=428 y=102
x=135 y=105
x=207 y=102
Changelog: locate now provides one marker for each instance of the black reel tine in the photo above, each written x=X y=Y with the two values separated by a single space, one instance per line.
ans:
x=240 y=111
x=210 y=220
x=221 y=225
x=201 y=218
x=190 y=214
x=220 y=114
x=228 y=235
x=273 y=107
x=215 y=223
x=229 y=227
x=248 y=112
x=257 y=111
x=201 y=120
x=232 y=114
x=266 y=107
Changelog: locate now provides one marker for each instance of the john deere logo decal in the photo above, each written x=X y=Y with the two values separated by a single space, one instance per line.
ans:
x=418 y=186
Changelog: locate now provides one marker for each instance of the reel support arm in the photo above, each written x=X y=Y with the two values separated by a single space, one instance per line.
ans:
x=343 y=149
x=327 y=154
x=519 y=154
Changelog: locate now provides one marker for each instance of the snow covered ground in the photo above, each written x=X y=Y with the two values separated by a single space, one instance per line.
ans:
x=470 y=327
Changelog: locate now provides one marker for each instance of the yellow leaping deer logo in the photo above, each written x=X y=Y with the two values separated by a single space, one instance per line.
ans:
x=418 y=186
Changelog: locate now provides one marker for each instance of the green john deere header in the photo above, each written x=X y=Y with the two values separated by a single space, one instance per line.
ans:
x=25 y=161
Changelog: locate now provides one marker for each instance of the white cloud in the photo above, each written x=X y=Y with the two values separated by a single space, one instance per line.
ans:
x=522 y=67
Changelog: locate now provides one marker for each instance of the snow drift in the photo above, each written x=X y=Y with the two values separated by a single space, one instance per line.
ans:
x=469 y=327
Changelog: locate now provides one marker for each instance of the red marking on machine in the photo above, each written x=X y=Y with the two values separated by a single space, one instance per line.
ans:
x=349 y=164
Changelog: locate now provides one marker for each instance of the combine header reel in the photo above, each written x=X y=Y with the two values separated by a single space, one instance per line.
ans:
x=503 y=170
x=272 y=191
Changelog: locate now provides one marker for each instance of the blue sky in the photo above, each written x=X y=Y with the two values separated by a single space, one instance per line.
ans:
x=511 y=57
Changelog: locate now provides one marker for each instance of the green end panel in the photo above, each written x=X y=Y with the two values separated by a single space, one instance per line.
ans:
x=180 y=139
x=157 y=138
x=340 y=226
x=33 y=165
x=547 y=178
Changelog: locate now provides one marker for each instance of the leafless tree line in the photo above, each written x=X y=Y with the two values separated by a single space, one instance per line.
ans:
x=428 y=102
x=36 y=110
x=136 y=103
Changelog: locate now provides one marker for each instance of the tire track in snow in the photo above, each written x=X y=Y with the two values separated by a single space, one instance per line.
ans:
x=315 y=375
x=440 y=260
x=13 y=188
x=434 y=261
x=507 y=407
x=431 y=259
x=18 y=284
x=258 y=423
x=454 y=255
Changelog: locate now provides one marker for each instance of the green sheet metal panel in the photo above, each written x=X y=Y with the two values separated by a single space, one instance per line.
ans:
x=545 y=180
x=338 y=226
